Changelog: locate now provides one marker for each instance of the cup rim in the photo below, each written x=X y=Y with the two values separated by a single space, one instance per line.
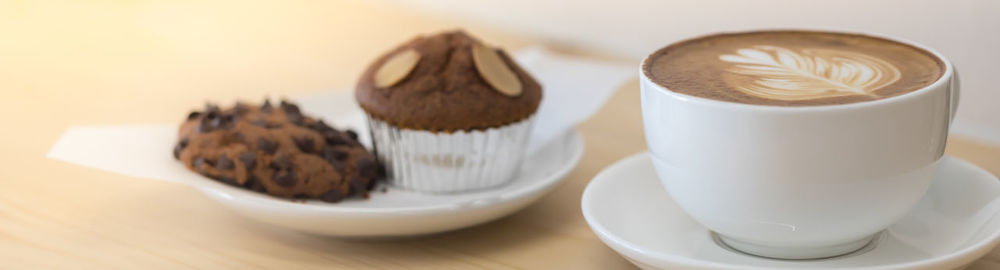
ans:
x=945 y=77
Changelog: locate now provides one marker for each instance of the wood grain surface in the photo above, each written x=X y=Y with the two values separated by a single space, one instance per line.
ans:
x=125 y=62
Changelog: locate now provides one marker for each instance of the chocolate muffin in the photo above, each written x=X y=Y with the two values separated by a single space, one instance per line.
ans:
x=448 y=113
x=276 y=150
x=443 y=90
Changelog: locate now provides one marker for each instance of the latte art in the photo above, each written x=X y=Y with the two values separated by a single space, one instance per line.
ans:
x=783 y=74
x=792 y=68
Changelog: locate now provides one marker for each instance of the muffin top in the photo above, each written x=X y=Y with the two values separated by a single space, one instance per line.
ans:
x=447 y=82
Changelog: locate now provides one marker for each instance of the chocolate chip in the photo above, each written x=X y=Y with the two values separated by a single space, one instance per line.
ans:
x=267 y=146
x=353 y=135
x=371 y=184
x=296 y=119
x=216 y=122
x=193 y=115
x=211 y=111
x=197 y=162
x=224 y=121
x=381 y=170
x=180 y=147
x=337 y=165
x=333 y=154
x=356 y=181
x=211 y=119
x=290 y=108
x=266 y=107
x=254 y=184
x=305 y=144
x=249 y=160
x=264 y=124
x=321 y=126
x=229 y=180
x=282 y=162
x=177 y=151
x=334 y=138
x=332 y=196
x=312 y=126
x=367 y=168
x=358 y=185
x=205 y=125
x=285 y=178
x=224 y=163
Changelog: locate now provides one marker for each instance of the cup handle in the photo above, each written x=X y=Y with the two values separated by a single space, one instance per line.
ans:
x=956 y=86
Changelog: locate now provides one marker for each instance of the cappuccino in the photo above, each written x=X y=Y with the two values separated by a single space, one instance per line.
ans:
x=792 y=68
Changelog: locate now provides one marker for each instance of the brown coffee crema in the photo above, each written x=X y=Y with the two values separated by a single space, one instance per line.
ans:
x=792 y=68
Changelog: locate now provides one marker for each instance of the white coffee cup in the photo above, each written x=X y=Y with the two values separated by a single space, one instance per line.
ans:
x=798 y=182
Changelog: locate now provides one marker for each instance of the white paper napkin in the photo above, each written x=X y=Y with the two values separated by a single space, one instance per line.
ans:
x=573 y=90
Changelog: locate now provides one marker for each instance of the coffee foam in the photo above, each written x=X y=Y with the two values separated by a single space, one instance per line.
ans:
x=779 y=73
x=792 y=68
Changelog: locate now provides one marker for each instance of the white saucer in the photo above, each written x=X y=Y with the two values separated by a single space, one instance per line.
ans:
x=953 y=225
x=400 y=212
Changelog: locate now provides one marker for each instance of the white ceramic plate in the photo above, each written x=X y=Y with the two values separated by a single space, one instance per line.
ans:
x=955 y=223
x=400 y=212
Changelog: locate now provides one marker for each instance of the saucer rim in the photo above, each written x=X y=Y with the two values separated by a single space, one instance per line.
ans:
x=618 y=244
x=265 y=202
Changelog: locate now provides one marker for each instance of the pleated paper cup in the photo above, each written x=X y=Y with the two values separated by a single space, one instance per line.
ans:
x=455 y=162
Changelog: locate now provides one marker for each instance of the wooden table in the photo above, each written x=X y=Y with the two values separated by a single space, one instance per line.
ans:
x=122 y=62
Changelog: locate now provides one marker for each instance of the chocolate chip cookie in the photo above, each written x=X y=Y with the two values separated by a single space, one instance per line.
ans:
x=276 y=150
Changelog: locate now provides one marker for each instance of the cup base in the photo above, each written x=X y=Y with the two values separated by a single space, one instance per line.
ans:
x=795 y=253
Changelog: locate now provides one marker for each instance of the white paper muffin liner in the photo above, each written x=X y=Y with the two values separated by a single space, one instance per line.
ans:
x=455 y=162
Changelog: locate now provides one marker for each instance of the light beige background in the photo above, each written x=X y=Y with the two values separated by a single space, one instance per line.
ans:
x=68 y=63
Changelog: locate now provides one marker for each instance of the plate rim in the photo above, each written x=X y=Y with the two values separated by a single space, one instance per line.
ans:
x=256 y=200
x=622 y=246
